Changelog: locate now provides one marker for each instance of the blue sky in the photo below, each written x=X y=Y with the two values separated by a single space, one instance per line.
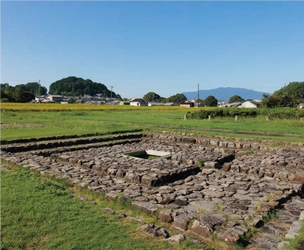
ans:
x=164 y=47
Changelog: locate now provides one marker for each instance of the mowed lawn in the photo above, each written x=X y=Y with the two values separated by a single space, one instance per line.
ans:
x=39 y=214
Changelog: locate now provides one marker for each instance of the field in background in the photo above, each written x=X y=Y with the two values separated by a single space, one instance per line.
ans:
x=42 y=120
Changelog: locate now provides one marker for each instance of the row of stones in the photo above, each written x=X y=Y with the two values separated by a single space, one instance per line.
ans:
x=221 y=141
x=279 y=165
x=164 y=137
x=67 y=143
x=288 y=219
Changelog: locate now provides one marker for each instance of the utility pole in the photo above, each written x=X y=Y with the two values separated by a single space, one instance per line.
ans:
x=39 y=91
x=198 y=95
x=38 y=88
x=284 y=95
x=111 y=91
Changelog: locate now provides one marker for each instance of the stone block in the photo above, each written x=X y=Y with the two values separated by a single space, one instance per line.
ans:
x=226 y=166
x=301 y=215
x=112 y=196
x=177 y=238
x=211 y=164
x=181 y=201
x=294 y=230
x=148 y=180
x=205 y=205
x=228 y=235
x=201 y=229
x=181 y=221
x=144 y=206
x=212 y=220
x=165 y=215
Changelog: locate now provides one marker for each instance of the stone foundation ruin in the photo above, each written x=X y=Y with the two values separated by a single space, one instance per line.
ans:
x=205 y=186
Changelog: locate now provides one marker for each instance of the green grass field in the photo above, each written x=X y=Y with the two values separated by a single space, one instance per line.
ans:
x=35 y=124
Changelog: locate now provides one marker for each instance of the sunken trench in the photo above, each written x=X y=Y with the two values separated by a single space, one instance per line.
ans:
x=203 y=186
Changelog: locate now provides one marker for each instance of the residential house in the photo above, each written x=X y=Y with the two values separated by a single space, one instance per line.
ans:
x=54 y=98
x=155 y=104
x=39 y=99
x=300 y=106
x=124 y=103
x=188 y=104
x=169 y=104
x=234 y=104
x=138 y=102
x=248 y=104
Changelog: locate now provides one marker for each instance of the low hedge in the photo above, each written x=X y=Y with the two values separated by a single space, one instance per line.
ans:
x=281 y=113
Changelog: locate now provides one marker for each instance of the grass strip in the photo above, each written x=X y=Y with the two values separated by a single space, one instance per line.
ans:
x=40 y=214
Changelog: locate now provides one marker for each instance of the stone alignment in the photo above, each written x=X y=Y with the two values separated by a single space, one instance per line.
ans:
x=209 y=186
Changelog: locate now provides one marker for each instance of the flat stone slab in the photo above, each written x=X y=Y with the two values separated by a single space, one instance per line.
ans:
x=201 y=229
x=144 y=206
x=294 y=230
x=301 y=215
x=213 y=220
x=178 y=238
x=203 y=205
x=181 y=221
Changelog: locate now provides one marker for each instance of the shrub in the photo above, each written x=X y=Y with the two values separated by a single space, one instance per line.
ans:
x=278 y=113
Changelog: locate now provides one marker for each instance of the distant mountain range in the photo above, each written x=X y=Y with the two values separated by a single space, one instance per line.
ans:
x=224 y=94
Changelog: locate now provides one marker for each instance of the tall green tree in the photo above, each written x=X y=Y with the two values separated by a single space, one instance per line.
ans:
x=4 y=85
x=3 y=94
x=22 y=96
x=235 y=98
x=151 y=97
x=119 y=97
x=18 y=93
x=287 y=96
x=7 y=93
x=210 y=101
x=177 y=99
x=33 y=87
x=200 y=102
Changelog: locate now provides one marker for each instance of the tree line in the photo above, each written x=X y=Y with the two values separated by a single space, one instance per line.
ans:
x=178 y=98
x=287 y=96
x=21 y=92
